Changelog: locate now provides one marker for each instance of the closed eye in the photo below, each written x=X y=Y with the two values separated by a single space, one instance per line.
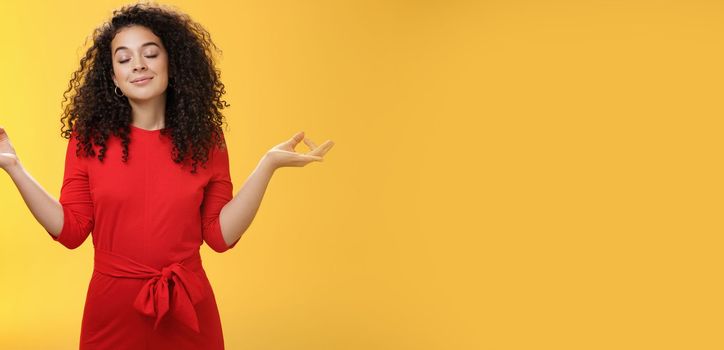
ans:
x=124 y=61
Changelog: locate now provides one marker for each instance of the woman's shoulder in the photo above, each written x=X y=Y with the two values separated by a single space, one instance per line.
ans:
x=218 y=141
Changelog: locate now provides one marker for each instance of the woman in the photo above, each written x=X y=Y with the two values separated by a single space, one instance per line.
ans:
x=147 y=171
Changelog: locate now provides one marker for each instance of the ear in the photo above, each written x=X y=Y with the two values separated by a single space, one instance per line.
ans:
x=113 y=76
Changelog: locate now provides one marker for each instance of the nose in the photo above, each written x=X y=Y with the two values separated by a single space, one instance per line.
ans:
x=140 y=66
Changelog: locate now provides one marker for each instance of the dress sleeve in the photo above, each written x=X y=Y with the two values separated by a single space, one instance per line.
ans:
x=75 y=198
x=217 y=193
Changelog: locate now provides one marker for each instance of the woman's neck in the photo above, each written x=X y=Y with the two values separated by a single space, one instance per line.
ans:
x=149 y=115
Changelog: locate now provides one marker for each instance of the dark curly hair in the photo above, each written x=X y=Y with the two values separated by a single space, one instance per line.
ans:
x=193 y=97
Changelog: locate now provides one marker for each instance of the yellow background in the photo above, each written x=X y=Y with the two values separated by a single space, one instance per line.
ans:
x=507 y=174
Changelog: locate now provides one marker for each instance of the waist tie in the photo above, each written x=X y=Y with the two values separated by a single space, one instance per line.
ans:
x=155 y=298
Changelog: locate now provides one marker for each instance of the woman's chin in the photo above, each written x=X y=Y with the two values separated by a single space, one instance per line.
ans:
x=145 y=97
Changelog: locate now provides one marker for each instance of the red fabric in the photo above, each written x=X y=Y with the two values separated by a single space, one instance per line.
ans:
x=148 y=219
x=155 y=298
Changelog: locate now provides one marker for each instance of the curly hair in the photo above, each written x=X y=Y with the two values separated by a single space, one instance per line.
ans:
x=193 y=97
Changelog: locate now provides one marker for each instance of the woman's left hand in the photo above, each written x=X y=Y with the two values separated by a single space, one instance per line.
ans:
x=283 y=154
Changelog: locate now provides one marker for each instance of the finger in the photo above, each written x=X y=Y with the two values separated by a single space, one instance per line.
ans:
x=326 y=146
x=294 y=141
x=305 y=157
x=297 y=138
x=310 y=143
x=323 y=149
x=311 y=158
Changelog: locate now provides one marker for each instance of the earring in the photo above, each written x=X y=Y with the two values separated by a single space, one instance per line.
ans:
x=116 y=92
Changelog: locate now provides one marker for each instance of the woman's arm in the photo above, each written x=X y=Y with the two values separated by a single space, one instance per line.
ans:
x=46 y=209
x=237 y=214
x=67 y=220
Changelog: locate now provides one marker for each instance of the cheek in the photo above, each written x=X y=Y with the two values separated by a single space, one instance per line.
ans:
x=118 y=73
x=160 y=67
x=161 y=71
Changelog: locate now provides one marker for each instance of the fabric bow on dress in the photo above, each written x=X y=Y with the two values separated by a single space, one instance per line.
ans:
x=174 y=289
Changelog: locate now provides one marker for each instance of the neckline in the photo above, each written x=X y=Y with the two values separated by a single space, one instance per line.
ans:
x=145 y=130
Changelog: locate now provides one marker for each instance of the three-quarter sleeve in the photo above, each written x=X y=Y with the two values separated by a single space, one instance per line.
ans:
x=76 y=200
x=217 y=193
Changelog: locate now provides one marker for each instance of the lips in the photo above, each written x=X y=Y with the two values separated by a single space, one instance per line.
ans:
x=141 y=79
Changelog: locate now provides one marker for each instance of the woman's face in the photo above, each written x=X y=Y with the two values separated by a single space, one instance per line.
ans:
x=137 y=53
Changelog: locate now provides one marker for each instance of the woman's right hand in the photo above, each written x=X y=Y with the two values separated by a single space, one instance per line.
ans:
x=8 y=157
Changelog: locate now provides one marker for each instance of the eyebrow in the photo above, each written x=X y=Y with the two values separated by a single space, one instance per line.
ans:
x=144 y=45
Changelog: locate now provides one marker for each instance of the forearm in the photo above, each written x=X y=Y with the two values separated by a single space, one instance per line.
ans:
x=46 y=209
x=237 y=215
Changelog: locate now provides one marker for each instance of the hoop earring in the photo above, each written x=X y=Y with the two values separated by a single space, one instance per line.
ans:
x=116 y=92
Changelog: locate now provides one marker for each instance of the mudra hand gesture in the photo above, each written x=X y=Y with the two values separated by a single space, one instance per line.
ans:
x=8 y=157
x=283 y=154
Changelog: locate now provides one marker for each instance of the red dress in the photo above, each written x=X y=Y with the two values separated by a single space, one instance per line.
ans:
x=149 y=217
